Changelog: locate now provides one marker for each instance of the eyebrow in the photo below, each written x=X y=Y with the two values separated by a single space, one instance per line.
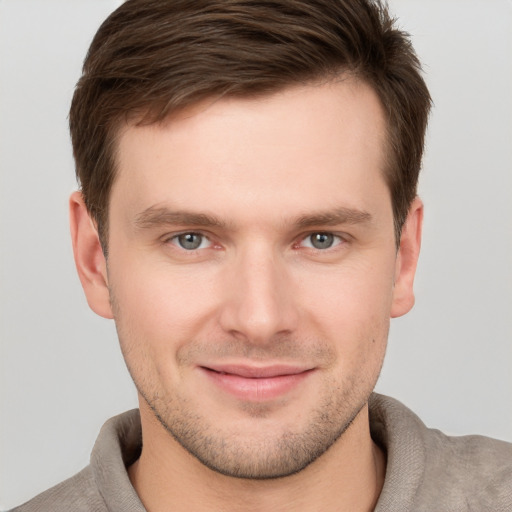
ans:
x=160 y=216
x=155 y=216
x=334 y=218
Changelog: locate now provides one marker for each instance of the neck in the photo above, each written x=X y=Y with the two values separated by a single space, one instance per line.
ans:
x=349 y=476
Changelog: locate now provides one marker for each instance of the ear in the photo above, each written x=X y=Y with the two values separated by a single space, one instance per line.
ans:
x=407 y=260
x=89 y=259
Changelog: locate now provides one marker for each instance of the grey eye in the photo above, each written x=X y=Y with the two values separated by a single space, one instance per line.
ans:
x=321 y=240
x=190 y=241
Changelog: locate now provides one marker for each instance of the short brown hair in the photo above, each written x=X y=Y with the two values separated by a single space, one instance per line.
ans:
x=152 y=57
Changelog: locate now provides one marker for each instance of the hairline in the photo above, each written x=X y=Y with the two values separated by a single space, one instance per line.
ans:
x=145 y=117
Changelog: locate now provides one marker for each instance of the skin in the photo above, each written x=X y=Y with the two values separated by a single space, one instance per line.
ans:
x=256 y=180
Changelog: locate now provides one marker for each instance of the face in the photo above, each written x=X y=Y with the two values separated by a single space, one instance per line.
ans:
x=252 y=272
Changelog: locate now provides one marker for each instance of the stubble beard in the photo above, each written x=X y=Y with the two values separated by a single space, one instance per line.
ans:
x=268 y=455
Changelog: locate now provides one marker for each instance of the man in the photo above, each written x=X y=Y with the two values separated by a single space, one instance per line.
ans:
x=248 y=216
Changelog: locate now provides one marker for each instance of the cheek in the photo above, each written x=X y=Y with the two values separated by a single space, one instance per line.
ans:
x=350 y=307
x=160 y=306
x=348 y=295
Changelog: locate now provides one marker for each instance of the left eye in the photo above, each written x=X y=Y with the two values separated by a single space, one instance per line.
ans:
x=190 y=241
x=321 y=240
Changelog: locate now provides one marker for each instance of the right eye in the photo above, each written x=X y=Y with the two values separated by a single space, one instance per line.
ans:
x=190 y=241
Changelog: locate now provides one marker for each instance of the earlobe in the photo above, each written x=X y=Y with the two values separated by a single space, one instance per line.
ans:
x=89 y=258
x=407 y=260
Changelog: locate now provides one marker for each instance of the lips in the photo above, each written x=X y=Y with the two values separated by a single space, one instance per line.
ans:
x=254 y=372
x=255 y=383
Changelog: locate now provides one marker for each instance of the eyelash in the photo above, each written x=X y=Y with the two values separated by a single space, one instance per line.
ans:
x=174 y=240
x=336 y=240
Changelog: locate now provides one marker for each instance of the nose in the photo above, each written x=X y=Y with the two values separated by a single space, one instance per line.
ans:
x=258 y=303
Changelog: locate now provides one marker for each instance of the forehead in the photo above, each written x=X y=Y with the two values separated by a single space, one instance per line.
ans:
x=309 y=144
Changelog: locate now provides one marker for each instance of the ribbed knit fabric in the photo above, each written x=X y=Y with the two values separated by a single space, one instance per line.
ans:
x=426 y=470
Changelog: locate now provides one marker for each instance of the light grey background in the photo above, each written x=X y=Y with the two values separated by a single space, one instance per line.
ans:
x=61 y=370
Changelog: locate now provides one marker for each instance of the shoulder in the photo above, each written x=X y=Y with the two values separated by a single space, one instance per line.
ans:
x=473 y=470
x=78 y=493
x=428 y=470
x=104 y=484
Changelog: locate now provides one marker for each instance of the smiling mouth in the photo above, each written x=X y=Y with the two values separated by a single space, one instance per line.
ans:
x=256 y=383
